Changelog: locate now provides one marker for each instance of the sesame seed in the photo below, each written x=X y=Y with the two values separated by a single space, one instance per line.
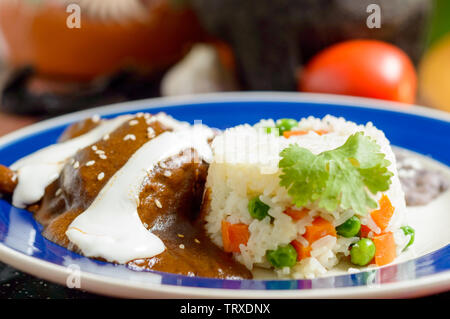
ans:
x=106 y=137
x=94 y=147
x=139 y=114
x=90 y=163
x=99 y=152
x=133 y=122
x=103 y=156
x=181 y=246
x=197 y=241
x=76 y=164
x=95 y=118
x=129 y=137
x=150 y=132
x=180 y=235
x=100 y=176
x=158 y=203
x=58 y=192
x=150 y=120
x=167 y=173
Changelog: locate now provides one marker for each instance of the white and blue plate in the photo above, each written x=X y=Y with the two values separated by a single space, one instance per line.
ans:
x=417 y=129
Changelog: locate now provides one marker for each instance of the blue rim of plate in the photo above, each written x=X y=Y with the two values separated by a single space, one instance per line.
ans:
x=403 y=127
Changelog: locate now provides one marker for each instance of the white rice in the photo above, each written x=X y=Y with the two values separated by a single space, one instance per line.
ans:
x=245 y=165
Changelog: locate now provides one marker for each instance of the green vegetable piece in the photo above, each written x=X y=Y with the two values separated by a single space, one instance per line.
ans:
x=340 y=178
x=272 y=130
x=283 y=256
x=285 y=125
x=408 y=230
x=350 y=227
x=257 y=208
x=362 y=252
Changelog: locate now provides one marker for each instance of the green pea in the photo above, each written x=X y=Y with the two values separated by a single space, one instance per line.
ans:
x=408 y=230
x=283 y=256
x=350 y=227
x=362 y=252
x=285 y=125
x=257 y=208
x=272 y=130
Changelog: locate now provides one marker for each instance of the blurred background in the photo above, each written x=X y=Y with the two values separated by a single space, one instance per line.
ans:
x=59 y=56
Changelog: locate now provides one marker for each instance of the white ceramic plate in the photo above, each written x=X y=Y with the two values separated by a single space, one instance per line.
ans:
x=418 y=129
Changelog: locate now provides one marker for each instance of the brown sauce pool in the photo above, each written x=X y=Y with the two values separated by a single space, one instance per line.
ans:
x=177 y=184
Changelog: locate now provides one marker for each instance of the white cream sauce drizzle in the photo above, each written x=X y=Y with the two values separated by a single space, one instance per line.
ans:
x=38 y=170
x=111 y=228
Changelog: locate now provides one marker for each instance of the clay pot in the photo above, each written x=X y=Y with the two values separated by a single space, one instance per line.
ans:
x=272 y=39
x=35 y=34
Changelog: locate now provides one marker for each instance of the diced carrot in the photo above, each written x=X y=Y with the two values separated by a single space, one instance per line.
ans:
x=365 y=230
x=383 y=215
x=302 y=251
x=288 y=134
x=233 y=235
x=319 y=228
x=384 y=248
x=321 y=132
x=296 y=214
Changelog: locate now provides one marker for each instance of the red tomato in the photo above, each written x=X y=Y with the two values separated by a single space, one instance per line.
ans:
x=366 y=68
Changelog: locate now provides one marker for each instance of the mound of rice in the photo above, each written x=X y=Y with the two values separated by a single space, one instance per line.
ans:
x=245 y=165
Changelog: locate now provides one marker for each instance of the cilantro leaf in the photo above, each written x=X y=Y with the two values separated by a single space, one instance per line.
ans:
x=342 y=177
